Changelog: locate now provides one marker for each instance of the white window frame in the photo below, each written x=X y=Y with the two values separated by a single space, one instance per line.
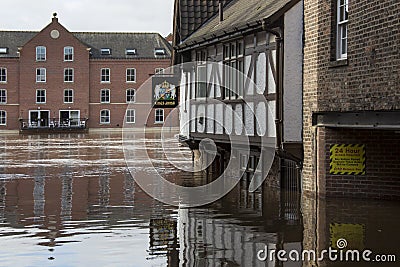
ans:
x=341 y=28
x=107 y=95
x=3 y=117
x=68 y=96
x=128 y=96
x=130 y=75
x=106 y=76
x=159 y=70
x=129 y=117
x=65 y=75
x=105 y=116
x=5 y=75
x=156 y=116
x=45 y=96
x=40 y=51
x=3 y=95
x=105 y=51
x=41 y=77
x=68 y=51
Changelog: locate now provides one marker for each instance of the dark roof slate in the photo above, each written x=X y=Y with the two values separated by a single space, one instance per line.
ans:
x=14 y=39
x=144 y=43
x=237 y=15
x=193 y=13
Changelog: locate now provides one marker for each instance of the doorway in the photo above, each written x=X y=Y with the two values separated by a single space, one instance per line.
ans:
x=69 y=118
x=39 y=118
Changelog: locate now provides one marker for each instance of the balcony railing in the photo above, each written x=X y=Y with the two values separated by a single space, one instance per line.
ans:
x=54 y=124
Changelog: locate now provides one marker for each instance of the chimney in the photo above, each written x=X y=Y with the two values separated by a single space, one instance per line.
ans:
x=221 y=11
x=54 y=19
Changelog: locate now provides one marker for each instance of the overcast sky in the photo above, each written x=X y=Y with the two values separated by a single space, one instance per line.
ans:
x=89 y=15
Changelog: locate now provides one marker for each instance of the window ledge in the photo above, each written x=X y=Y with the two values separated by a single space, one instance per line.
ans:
x=339 y=63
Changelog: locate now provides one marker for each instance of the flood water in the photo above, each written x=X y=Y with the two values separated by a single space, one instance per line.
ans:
x=69 y=200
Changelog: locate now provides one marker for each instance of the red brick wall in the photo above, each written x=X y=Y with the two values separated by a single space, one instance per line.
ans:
x=368 y=80
x=11 y=107
x=21 y=85
x=54 y=65
x=118 y=86
x=382 y=178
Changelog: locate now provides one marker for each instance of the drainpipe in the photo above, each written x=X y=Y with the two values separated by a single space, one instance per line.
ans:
x=279 y=96
x=279 y=89
x=221 y=11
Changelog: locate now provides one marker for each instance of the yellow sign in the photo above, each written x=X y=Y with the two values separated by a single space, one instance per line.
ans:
x=353 y=235
x=347 y=159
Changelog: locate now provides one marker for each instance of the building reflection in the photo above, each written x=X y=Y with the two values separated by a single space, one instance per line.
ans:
x=76 y=186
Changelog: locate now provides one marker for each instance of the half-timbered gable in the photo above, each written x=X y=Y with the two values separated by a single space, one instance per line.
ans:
x=245 y=76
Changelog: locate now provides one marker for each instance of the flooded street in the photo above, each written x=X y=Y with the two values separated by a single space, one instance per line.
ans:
x=69 y=200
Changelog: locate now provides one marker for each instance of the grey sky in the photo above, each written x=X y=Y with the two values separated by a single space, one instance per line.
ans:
x=89 y=15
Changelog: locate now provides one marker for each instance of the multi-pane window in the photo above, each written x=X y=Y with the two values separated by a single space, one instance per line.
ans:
x=130 y=95
x=131 y=75
x=105 y=96
x=40 y=96
x=40 y=75
x=130 y=116
x=159 y=115
x=40 y=53
x=68 y=53
x=105 y=75
x=68 y=75
x=3 y=75
x=342 y=21
x=201 y=84
x=68 y=96
x=104 y=116
x=3 y=117
x=3 y=96
x=233 y=69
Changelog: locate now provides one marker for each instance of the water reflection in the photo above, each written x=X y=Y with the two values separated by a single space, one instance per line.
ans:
x=69 y=200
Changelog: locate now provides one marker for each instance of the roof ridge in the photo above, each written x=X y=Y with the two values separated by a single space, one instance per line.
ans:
x=93 y=32
x=19 y=31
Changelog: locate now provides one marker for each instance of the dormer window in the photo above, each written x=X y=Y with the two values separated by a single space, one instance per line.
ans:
x=130 y=52
x=3 y=50
x=105 y=51
x=159 y=52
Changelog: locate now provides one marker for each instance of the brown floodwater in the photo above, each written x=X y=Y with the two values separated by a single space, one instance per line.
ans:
x=69 y=200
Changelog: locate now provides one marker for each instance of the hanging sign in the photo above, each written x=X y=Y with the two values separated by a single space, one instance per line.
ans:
x=165 y=91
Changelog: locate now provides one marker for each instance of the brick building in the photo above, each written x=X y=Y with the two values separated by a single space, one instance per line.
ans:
x=352 y=97
x=58 y=79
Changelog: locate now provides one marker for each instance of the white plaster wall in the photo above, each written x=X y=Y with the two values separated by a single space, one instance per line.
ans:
x=238 y=119
x=210 y=118
x=293 y=60
x=183 y=114
x=261 y=64
x=219 y=112
x=249 y=118
x=271 y=129
x=271 y=80
x=228 y=119
x=261 y=116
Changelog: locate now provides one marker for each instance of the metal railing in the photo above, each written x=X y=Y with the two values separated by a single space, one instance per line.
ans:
x=54 y=123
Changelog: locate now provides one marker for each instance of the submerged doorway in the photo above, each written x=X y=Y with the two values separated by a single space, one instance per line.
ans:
x=69 y=118
x=39 y=118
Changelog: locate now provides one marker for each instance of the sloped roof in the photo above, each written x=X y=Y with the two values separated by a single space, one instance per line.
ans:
x=193 y=13
x=14 y=39
x=144 y=43
x=237 y=15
